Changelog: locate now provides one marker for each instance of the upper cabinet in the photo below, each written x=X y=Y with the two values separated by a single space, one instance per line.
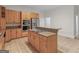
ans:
x=34 y=15
x=2 y=12
x=9 y=16
x=18 y=17
x=29 y=15
x=12 y=16
x=2 y=18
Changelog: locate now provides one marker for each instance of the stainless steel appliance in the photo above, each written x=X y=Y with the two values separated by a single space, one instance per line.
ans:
x=26 y=25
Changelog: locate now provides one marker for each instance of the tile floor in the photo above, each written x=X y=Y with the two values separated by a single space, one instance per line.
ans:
x=68 y=45
x=21 y=45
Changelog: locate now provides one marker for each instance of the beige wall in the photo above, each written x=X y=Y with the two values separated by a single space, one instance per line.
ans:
x=63 y=17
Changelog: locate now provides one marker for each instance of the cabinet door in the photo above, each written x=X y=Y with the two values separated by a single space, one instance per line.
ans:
x=19 y=33
x=43 y=44
x=1 y=43
x=0 y=11
x=52 y=44
x=32 y=38
x=7 y=16
x=36 y=40
x=18 y=17
x=13 y=33
x=2 y=23
x=8 y=35
x=25 y=33
x=29 y=36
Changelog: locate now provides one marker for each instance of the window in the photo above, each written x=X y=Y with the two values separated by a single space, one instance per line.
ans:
x=42 y=22
x=45 y=22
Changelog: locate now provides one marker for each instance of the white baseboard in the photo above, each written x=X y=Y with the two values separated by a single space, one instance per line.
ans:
x=65 y=35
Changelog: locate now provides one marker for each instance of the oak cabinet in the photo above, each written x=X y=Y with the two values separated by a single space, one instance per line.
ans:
x=52 y=44
x=24 y=33
x=36 y=40
x=13 y=33
x=48 y=44
x=29 y=15
x=44 y=44
x=19 y=32
x=16 y=16
x=2 y=23
x=34 y=15
x=32 y=38
x=25 y=16
x=12 y=16
x=18 y=20
x=8 y=35
x=9 y=16
x=2 y=12
x=1 y=42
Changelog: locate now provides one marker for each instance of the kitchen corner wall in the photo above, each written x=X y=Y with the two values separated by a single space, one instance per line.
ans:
x=62 y=17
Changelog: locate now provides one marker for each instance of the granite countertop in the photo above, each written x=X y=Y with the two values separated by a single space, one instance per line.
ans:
x=35 y=30
x=47 y=33
x=44 y=33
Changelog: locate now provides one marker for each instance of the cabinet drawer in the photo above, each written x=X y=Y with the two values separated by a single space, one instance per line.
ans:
x=43 y=44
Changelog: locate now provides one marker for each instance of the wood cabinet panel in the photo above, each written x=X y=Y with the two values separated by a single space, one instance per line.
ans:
x=19 y=32
x=1 y=43
x=43 y=44
x=32 y=39
x=13 y=33
x=8 y=35
x=2 y=12
x=36 y=41
x=52 y=44
x=25 y=34
x=18 y=17
x=9 y=16
x=29 y=15
x=12 y=16
x=2 y=23
x=34 y=15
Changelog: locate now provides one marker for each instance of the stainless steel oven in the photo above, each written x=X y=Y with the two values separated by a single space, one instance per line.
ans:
x=26 y=25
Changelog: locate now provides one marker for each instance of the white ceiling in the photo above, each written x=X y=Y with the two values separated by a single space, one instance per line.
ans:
x=40 y=8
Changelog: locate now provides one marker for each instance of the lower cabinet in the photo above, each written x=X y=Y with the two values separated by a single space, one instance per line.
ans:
x=42 y=43
x=25 y=33
x=48 y=44
x=19 y=32
x=13 y=33
x=32 y=38
x=36 y=40
x=52 y=44
x=8 y=35
x=1 y=43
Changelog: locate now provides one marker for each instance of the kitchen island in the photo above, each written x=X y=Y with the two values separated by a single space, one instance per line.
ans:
x=43 y=40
